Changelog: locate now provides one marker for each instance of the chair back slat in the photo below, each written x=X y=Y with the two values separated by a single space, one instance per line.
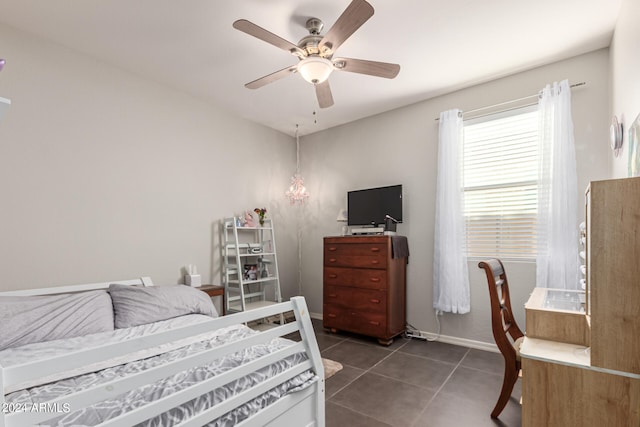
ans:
x=504 y=327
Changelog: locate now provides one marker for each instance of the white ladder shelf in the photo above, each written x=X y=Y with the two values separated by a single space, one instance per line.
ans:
x=249 y=266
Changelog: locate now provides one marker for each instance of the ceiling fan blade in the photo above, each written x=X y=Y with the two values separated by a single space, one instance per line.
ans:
x=356 y=14
x=323 y=93
x=269 y=78
x=372 y=68
x=267 y=36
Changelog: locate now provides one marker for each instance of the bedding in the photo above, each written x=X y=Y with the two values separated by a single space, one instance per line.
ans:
x=133 y=305
x=34 y=319
x=72 y=381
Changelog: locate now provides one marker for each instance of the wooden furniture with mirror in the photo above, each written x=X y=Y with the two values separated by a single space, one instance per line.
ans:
x=364 y=287
x=581 y=367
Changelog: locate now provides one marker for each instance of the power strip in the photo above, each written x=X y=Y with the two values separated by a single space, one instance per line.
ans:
x=412 y=332
x=416 y=336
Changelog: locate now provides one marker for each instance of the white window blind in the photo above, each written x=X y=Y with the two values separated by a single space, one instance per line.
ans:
x=500 y=184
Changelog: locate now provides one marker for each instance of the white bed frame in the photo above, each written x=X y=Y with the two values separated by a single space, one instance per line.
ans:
x=303 y=408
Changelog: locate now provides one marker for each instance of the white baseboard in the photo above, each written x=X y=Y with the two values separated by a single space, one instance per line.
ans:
x=317 y=316
x=464 y=342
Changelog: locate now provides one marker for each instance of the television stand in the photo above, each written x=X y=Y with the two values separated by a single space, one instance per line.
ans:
x=367 y=230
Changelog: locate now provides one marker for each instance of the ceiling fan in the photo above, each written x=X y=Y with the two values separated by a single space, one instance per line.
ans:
x=315 y=51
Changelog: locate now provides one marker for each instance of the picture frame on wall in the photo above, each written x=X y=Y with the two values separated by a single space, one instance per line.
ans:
x=634 y=148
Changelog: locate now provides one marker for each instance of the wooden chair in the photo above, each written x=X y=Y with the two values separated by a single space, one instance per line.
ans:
x=503 y=324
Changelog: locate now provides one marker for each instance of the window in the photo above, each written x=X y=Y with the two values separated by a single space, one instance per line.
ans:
x=500 y=178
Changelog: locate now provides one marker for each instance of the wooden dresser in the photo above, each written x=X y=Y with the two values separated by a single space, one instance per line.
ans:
x=364 y=287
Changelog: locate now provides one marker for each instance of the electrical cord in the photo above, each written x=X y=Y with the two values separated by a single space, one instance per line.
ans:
x=412 y=332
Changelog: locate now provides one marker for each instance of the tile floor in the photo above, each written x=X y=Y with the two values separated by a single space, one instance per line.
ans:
x=412 y=383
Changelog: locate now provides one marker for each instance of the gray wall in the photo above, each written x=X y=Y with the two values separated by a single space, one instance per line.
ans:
x=106 y=175
x=625 y=69
x=400 y=147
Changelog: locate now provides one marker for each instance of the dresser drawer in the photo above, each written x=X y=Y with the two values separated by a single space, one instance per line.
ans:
x=334 y=317
x=356 y=255
x=355 y=261
x=355 y=249
x=374 y=324
x=361 y=300
x=359 y=278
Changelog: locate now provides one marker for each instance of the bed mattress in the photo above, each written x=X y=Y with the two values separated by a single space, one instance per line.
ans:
x=26 y=395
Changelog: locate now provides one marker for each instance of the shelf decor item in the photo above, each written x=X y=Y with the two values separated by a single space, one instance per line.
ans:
x=261 y=213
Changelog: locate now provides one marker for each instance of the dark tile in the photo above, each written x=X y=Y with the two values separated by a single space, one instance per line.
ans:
x=447 y=410
x=435 y=350
x=394 y=386
x=327 y=341
x=416 y=370
x=517 y=391
x=341 y=379
x=295 y=336
x=319 y=329
x=385 y=399
x=479 y=386
x=357 y=355
x=339 y=416
x=339 y=334
x=484 y=361
x=398 y=342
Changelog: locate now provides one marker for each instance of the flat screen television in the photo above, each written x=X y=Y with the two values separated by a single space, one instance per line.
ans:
x=371 y=206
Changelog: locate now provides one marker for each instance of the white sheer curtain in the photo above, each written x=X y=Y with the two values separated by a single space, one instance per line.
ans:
x=557 y=264
x=450 y=271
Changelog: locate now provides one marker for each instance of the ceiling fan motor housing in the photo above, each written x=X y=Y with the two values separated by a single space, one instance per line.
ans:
x=314 y=25
x=310 y=43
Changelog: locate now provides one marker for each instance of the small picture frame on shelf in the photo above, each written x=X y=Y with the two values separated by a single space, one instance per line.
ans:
x=250 y=272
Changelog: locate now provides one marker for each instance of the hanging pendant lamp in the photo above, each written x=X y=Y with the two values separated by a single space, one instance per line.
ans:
x=297 y=192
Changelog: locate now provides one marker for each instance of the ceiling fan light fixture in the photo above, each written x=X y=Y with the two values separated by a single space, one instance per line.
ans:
x=315 y=69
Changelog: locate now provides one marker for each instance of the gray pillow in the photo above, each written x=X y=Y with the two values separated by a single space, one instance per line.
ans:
x=139 y=305
x=32 y=319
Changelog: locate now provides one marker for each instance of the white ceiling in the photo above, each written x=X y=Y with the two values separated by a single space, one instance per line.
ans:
x=441 y=46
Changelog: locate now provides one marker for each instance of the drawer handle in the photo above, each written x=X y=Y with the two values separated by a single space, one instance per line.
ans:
x=332 y=295
x=333 y=276
x=374 y=323
x=375 y=301
x=375 y=279
x=375 y=261
x=332 y=260
x=332 y=249
x=375 y=249
x=332 y=315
